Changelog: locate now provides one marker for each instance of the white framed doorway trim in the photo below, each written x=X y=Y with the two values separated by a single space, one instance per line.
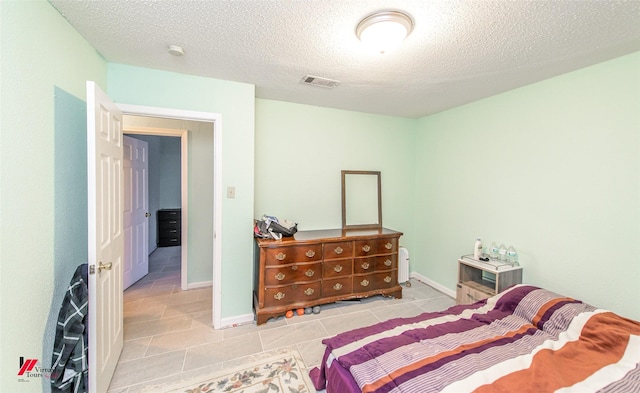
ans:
x=216 y=119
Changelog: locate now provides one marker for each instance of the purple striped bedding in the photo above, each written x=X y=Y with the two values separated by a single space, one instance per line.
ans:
x=525 y=339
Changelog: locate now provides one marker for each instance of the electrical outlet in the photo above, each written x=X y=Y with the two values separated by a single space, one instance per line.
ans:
x=231 y=192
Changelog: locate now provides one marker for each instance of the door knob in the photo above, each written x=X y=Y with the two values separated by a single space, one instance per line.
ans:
x=147 y=214
x=104 y=266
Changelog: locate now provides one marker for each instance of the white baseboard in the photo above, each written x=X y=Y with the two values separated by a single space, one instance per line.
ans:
x=433 y=284
x=236 y=321
x=201 y=284
x=224 y=322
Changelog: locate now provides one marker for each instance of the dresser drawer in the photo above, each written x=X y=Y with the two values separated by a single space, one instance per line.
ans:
x=293 y=254
x=338 y=250
x=290 y=294
x=167 y=214
x=376 y=246
x=337 y=268
x=168 y=224
x=281 y=275
x=373 y=264
x=369 y=282
x=337 y=286
x=168 y=241
x=169 y=232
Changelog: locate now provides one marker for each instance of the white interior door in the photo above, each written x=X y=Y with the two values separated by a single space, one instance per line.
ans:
x=104 y=175
x=136 y=210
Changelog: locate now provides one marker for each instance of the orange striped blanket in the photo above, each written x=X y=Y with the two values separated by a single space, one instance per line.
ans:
x=525 y=339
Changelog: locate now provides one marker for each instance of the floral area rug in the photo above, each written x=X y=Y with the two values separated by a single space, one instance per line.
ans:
x=284 y=373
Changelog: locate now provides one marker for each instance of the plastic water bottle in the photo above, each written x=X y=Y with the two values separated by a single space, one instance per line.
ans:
x=493 y=252
x=477 y=249
x=502 y=253
x=512 y=256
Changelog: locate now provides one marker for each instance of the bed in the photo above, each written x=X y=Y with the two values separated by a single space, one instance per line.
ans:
x=524 y=339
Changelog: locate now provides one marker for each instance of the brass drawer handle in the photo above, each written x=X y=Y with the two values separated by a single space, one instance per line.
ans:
x=338 y=250
x=337 y=286
x=281 y=256
x=388 y=246
x=388 y=262
x=387 y=279
x=366 y=248
x=364 y=282
x=365 y=265
x=294 y=267
x=309 y=273
x=280 y=276
x=279 y=296
x=309 y=291
x=337 y=268
x=310 y=253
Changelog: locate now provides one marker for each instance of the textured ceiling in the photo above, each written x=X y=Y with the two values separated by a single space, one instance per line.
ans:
x=458 y=52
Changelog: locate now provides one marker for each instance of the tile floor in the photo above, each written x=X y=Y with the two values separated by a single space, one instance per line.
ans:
x=168 y=334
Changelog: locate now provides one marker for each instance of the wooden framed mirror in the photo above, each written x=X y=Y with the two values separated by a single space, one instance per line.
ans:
x=361 y=200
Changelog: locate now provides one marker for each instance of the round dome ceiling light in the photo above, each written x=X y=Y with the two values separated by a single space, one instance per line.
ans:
x=176 y=50
x=384 y=30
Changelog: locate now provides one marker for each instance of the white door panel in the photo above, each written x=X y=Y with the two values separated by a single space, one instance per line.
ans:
x=136 y=210
x=105 y=237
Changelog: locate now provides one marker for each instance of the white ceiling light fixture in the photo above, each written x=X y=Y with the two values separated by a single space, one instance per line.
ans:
x=176 y=50
x=384 y=30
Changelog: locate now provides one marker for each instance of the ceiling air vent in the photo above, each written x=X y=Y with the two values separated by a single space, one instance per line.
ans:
x=318 y=81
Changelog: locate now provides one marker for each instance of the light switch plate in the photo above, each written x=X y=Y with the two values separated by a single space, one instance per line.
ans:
x=231 y=192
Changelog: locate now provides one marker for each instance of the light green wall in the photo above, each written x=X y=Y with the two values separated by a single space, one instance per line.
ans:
x=552 y=168
x=44 y=67
x=301 y=149
x=235 y=102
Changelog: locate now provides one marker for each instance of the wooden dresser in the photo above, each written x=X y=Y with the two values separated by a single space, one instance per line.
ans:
x=324 y=266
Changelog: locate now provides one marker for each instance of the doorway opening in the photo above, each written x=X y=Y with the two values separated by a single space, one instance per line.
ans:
x=212 y=122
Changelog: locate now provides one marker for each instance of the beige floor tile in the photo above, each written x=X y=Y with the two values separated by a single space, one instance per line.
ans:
x=222 y=351
x=149 y=290
x=153 y=367
x=397 y=310
x=435 y=304
x=134 y=349
x=349 y=321
x=183 y=339
x=312 y=352
x=143 y=314
x=176 y=310
x=160 y=326
x=292 y=334
x=202 y=319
